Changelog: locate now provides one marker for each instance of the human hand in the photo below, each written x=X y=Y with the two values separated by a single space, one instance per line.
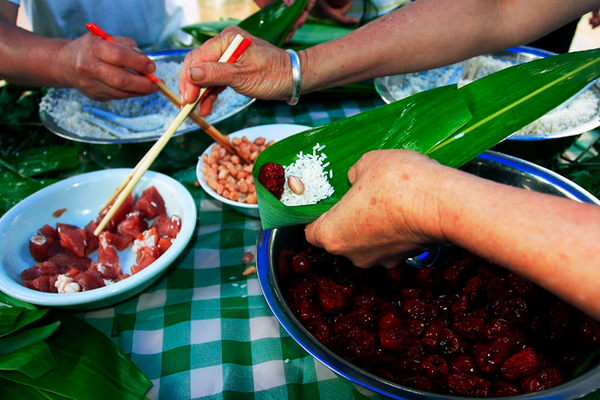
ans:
x=102 y=70
x=263 y=71
x=335 y=10
x=389 y=214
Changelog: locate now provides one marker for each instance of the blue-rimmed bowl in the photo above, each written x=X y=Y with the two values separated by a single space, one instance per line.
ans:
x=80 y=198
x=490 y=165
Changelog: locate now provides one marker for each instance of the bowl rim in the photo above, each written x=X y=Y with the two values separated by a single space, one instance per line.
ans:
x=252 y=132
x=358 y=376
x=121 y=288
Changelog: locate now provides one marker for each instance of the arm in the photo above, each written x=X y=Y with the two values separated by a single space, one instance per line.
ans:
x=93 y=66
x=402 y=200
x=421 y=35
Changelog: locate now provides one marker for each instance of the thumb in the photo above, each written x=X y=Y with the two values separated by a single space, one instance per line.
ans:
x=214 y=73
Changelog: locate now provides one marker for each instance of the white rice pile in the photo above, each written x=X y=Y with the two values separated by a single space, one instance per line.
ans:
x=64 y=106
x=310 y=168
x=580 y=111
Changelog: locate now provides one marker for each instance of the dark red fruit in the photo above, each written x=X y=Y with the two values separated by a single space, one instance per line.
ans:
x=272 y=177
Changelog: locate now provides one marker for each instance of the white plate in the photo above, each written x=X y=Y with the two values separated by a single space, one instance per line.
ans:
x=82 y=196
x=269 y=132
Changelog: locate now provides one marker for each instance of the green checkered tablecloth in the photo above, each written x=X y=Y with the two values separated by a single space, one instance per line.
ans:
x=204 y=331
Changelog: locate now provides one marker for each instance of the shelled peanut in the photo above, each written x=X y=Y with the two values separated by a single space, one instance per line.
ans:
x=229 y=176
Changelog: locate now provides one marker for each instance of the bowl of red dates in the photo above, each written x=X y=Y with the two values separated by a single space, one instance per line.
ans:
x=460 y=328
x=50 y=256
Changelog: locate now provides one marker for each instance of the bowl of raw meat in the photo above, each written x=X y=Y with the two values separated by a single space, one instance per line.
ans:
x=50 y=256
x=458 y=329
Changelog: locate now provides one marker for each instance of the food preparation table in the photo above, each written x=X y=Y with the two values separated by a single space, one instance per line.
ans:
x=203 y=330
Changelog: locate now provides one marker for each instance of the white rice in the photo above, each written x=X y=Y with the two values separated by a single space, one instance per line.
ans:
x=64 y=106
x=310 y=168
x=580 y=111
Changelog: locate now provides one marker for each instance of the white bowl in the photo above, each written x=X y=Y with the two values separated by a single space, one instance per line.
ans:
x=82 y=196
x=269 y=132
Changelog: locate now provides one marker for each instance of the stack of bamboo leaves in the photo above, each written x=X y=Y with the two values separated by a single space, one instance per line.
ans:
x=46 y=354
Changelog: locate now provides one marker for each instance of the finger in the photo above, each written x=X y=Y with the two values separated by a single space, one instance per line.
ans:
x=124 y=55
x=311 y=232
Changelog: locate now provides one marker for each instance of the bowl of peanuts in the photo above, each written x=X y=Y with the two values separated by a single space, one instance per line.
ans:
x=227 y=178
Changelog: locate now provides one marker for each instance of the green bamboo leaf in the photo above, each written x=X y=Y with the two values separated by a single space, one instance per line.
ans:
x=273 y=22
x=26 y=337
x=386 y=127
x=17 y=391
x=33 y=361
x=38 y=161
x=8 y=319
x=504 y=102
x=500 y=104
x=13 y=191
x=92 y=364
x=6 y=301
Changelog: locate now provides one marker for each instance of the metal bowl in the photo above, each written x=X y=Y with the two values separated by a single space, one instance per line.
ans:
x=180 y=152
x=490 y=165
x=384 y=86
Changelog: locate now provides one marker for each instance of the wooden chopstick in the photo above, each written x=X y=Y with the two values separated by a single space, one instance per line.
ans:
x=234 y=49
x=173 y=98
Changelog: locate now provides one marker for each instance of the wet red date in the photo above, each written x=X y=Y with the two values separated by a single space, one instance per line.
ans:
x=463 y=326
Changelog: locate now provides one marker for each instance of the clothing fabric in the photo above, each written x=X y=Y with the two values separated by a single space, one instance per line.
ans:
x=151 y=23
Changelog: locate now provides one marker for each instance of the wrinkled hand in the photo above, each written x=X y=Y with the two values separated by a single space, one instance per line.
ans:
x=389 y=214
x=97 y=68
x=335 y=10
x=263 y=71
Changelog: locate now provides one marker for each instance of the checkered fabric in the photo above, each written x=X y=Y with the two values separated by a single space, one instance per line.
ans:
x=204 y=331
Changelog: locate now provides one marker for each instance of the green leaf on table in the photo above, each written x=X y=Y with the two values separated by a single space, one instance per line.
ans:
x=92 y=365
x=33 y=361
x=396 y=125
x=500 y=104
x=13 y=191
x=26 y=337
x=16 y=391
x=14 y=318
x=273 y=22
x=34 y=162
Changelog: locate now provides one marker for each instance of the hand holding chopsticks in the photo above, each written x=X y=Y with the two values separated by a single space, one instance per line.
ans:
x=237 y=46
x=174 y=98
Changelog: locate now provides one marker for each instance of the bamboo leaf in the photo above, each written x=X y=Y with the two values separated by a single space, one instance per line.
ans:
x=38 y=161
x=14 y=318
x=89 y=361
x=11 y=343
x=273 y=22
x=16 y=391
x=500 y=104
x=389 y=126
x=504 y=102
x=33 y=361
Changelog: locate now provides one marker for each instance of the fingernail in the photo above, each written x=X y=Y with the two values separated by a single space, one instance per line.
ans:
x=136 y=49
x=196 y=74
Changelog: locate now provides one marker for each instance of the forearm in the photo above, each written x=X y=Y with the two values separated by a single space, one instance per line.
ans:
x=430 y=33
x=548 y=239
x=28 y=59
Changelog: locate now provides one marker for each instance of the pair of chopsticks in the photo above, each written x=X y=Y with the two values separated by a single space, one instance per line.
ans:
x=233 y=51
x=173 y=98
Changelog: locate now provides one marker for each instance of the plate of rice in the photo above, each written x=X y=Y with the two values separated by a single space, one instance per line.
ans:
x=581 y=115
x=61 y=109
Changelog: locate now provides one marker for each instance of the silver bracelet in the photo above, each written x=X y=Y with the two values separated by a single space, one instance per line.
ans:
x=297 y=76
